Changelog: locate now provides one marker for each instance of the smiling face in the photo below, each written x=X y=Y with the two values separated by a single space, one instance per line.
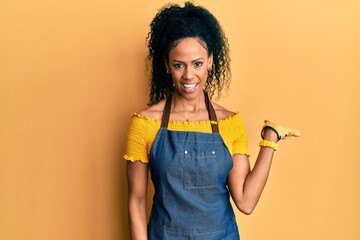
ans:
x=189 y=62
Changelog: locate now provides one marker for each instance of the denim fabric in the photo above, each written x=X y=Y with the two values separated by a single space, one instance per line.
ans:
x=189 y=171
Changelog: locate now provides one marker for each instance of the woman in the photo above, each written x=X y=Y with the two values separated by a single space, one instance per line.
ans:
x=195 y=149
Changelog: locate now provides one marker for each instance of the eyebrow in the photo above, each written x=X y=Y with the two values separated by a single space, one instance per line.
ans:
x=200 y=58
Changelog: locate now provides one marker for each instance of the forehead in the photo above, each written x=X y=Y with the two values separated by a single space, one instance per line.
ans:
x=189 y=47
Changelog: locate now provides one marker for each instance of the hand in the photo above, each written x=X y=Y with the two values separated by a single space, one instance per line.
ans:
x=282 y=132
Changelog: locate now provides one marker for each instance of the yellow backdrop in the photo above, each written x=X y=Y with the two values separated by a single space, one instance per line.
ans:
x=72 y=72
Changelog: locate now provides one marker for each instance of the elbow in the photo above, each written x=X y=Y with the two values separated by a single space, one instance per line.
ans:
x=246 y=211
x=136 y=202
x=245 y=204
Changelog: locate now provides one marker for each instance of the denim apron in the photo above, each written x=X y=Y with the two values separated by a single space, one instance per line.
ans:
x=189 y=171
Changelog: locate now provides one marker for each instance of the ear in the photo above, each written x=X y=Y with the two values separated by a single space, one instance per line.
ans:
x=166 y=62
x=210 y=61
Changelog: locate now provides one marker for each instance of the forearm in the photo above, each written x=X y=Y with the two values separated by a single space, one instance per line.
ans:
x=256 y=180
x=137 y=219
x=137 y=176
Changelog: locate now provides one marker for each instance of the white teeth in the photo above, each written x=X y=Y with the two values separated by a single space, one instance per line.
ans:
x=190 y=85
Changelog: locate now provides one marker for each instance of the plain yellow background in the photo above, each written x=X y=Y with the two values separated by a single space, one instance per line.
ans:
x=72 y=73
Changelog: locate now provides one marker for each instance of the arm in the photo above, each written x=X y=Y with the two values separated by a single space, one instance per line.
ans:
x=246 y=185
x=137 y=177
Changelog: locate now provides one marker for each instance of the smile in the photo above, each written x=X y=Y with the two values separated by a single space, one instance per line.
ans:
x=189 y=86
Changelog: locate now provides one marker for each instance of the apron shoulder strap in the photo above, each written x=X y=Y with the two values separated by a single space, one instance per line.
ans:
x=212 y=115
x=166 y=113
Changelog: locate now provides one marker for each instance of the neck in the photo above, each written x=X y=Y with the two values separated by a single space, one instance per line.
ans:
x=181 y=104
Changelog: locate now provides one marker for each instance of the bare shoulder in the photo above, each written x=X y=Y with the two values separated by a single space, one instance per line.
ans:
x=222 y=112
x=155 y=111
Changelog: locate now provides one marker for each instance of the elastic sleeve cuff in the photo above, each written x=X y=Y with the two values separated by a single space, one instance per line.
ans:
x=134 y=159
x=242 y=153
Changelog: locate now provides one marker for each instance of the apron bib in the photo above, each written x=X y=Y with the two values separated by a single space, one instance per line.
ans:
x=189 y=171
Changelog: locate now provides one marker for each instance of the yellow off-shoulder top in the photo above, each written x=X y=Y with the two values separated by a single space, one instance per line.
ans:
x=143 y=130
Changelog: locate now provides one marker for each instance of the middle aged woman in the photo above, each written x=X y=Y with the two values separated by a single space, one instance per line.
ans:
x=196 y=149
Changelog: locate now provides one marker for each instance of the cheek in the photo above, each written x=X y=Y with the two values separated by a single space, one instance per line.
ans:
x=204 y=75
x=176 y=76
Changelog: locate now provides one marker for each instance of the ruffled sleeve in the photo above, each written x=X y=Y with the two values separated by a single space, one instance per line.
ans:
x=234 y=134
x=240 y=145
x=140 y=136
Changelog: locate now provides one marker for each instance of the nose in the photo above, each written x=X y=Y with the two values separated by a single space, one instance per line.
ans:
x=188 y=74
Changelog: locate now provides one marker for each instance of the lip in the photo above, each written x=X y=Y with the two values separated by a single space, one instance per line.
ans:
x=189 y=87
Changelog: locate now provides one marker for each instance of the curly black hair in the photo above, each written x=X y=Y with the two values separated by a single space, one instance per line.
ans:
x=173 y=23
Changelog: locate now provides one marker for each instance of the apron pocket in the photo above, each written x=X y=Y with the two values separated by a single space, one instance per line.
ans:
x=200 y=166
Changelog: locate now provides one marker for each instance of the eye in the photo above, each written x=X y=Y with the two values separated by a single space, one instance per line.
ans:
x=198 y=64
x=178 y=65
